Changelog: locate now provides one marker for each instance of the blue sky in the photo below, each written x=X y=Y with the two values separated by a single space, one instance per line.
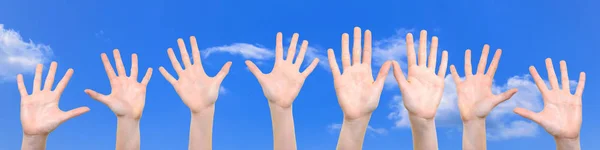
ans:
x=74 y=33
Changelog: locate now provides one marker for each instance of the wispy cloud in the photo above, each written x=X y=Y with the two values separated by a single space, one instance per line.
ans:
x=501 y=122
x=336 y=127
x=223 y=90
x=248 y=51
x=18 y=55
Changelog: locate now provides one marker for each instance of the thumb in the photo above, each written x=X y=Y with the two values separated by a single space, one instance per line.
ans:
x=224 y=71
x=74 y=113
x=383 y=73
x=527 y=114
x=95 y=95
x=504 y=96
x=252 y=67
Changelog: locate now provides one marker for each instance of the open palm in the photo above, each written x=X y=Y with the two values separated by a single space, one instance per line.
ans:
x=283 y=83
x=358 y=94
x=422 y=90
x=475 y=97
x=127 y=97
x=561 y=115
x=197 y=90
x=40 y=114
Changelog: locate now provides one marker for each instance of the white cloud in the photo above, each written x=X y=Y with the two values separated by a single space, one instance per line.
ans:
x=223 y=90
x=19 y=56
x=248 y=51
x=500 y=122
x=336 y=127
x=312 y=53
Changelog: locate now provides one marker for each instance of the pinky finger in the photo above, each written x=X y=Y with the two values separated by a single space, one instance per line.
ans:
x=147 y=77
x=580 y=84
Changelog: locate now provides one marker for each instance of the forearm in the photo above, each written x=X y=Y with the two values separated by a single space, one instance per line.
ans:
x=474 y=135
x=128 y=134
x=567 y=144
x=34 y=142
x=352 y=134
x=284 y=136
x=424 y=133
x=201 y=128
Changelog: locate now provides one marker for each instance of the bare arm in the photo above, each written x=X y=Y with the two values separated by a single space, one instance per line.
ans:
x=40 y=114
x=561 y=116
x=353 y=133
x=281 y=87
x=197 y=90
x=126 y=100
x=423 y=132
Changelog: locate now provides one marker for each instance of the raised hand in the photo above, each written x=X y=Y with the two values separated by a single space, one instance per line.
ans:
x=358 y=93
x=561 y=116
x=40 y=114
x=475 y=97
x=283 y=84
x=127 y=96
x=197 y=90
x=422 y=90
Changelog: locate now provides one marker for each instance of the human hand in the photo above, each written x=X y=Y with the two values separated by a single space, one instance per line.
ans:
x=40 y=114
x=127 y=96
x=561 y=116
x=283 y=83
x=422 y=90
x=197 y=90
x=358 y=94
x=475 y=97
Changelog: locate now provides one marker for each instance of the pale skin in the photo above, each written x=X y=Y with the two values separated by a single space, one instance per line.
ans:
x=358 y=93
x=40 y=114
x=561 y=116
x=197 y=90
x=475 y=97
x=422 y=90
x=281 y=87
x=126 y=100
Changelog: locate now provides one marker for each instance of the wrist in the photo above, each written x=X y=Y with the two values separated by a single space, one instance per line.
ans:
x=203 y=112
x=567 y=143
x=277 y=108
x=34 y=142
x=474 y=122
x=417 y=121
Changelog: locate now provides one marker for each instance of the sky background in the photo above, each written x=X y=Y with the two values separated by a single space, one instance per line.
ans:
x=74 y=33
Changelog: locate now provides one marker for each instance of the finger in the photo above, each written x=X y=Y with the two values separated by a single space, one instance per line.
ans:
x=564 y=76
x=455 y=75
x=110 y=72
x=433 y=53
x=224 y=71
x=335 y=69
x=538 y=80
x=356 y=48
x=147 y=77
x=174 y=61
x=527 y=114
x=399 y=75
x=494 y=65
x=279 y=47
x=97 y=96
x=483 y=59
x=383 y=73
x=62 y=84
x=252 y=67
x=368 y=48
x=310 y=67
x=410 y=50
x=119 y=63
x=301 y=54
x=195 y=51
x=50 y=77
x=443 y=65
x=74 y=113
x=134 y=66
x=345 y=51
x=21 y=85
x=185 y=57
x=580 y=84
x=551 y=74
x=422 y=48
x=37 y=79
x=292 y=48
x=504 y=96
x=468 y=66
x=167 y=75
